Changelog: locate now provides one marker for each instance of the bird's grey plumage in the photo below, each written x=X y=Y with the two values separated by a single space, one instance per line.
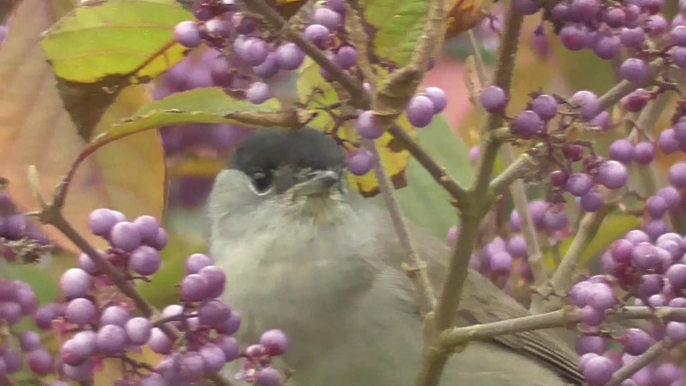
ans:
x=327 y=270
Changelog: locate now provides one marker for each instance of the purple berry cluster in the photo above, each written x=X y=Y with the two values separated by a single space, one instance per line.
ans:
x=420 y=112
x=653 y=273
x=20 y=239
x=95 y=322
x=17 y=351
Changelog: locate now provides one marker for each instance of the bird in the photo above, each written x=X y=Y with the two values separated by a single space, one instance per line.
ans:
x=305 y=253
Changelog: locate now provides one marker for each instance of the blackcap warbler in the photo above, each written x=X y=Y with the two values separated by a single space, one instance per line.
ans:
x=306 y=254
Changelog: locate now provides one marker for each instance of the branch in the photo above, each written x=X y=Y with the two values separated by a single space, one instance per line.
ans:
x=392 y=96
x=654 y=352
x=416 y=273
x=434 y=359
x=516 y=170
x=624 y=88
x=359 y=97
x=458 y=336
x=452 y=288
x=564 y=275
x=512 y=176
x=521 y=204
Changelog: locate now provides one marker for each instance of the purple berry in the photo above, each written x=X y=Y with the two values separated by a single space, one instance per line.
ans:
x=75 y=283
x=194 y=288
x=598 y=370
x=318 y=34
x=545 y=106
x=81 y=312
x=196 y=262
x=367 y=126
x=289 y=57
x=527 y=124
x=138 y=330
x=159 y=342
x=360 y=162
x=116 y=315
x=420 y=111
x=187 y=34
x=636 y=341
x=258 y=93
x=579 y=184
x=125 y=236
x=493 y=99
x=677 y=175
x=437 y=97
x=588 y=103
x=592 y=201
x=622 y=150
x=634 y=70
x=101 y=221
x=667 y=141
x=145 y=261
x=327 y=17
x=613 y=175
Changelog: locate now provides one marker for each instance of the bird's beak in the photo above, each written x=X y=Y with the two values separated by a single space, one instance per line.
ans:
x=319 y=183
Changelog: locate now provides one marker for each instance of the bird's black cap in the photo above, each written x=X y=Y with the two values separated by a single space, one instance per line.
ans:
x=269 y=149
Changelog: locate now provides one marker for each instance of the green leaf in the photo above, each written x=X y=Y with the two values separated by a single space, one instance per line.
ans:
x=36 y=130
x=613 y=228
x=397 y=25
x=205 y=105
x=116 y=38
x=424 y=201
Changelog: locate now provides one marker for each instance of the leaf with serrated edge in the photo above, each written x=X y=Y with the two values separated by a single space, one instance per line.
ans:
x=36 y=130
x=115 y=38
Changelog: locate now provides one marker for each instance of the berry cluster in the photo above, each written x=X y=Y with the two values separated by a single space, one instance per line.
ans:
x=653 y=272
x=20 y=239
x=95 y=322
x=242 y=56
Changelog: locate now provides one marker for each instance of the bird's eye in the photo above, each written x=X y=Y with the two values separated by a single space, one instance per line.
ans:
x=261 y=180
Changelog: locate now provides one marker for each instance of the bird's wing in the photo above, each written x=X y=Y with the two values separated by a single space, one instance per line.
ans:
x=482 y=302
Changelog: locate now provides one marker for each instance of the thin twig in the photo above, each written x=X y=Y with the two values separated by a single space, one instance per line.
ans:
x=518 y=192
x=654 y=352
x=452 y=288
x=457 y=336
x=434 y=359
x=646 y=121
x=624 y=88
x=521 y=204
x=522 y=166
x=360 y=98
x=478 y=59
x=564 y=275
x=417 y=270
